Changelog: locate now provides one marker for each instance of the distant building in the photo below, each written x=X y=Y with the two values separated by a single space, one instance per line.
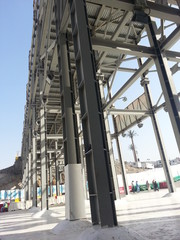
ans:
x=158 y=164
x=174 y=161
x=146 y=165
x=152 y=164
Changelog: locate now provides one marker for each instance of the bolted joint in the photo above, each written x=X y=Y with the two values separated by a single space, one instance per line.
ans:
x=144 y=81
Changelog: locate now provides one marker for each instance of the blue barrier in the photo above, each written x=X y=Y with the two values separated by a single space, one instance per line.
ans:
x=19 y=193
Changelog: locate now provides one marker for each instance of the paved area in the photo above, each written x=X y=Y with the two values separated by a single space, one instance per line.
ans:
x=153 y=215
x=144 y=215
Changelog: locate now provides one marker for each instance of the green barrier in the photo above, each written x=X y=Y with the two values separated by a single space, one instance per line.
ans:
x=143 y=187
x=177 y=178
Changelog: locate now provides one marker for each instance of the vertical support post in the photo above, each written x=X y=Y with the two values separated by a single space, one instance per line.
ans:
x=123 y=169
x=29 y=176
x=75 y=205
x=29 y=166
x=121 y=161
x=34 y=160
x=109 y=140
x=83 y=163
x=44 y=196
x=166 y=80
x=24 y=184
x=26 y=187
x=164 y=159
x=57 y=170
x=34 y=171
x=100 y=181
x=50 y=174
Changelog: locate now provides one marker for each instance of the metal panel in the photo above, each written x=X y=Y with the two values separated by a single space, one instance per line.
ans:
x=124 y=122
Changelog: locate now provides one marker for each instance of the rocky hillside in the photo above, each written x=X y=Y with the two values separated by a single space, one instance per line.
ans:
x=11 y=177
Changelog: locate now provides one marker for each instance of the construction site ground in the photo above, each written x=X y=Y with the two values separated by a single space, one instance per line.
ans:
x=141 y=216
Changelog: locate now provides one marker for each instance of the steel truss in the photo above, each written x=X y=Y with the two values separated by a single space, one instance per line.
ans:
x=78 y=49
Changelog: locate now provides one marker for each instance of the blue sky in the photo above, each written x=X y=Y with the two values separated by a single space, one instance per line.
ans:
x=15 y=41
x=16 y=32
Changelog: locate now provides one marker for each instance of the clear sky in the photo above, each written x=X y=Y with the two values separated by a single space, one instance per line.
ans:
x=15 y=41
x=16 y=31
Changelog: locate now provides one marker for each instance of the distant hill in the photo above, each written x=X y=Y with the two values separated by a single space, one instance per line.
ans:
x=11 y=177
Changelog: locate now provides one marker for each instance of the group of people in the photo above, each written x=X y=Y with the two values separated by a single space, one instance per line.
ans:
x=136 y=187
x=155 y=185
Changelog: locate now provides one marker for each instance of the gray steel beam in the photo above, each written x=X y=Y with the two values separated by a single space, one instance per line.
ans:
x=68 y=114
x=24 y=184
x=34 y=171
x=115 y=47
x=27 y=180
x=83 y=163
x=171 y=39
x=65 y=18
x=34 y=160
x=161 y=147
x=119 y=28
x=57 y=170
x=123 y=168
x=44 y=192
x=109 y=140
x=50 y=175
x=29 y=176
x=147 y=64
x=113 y=111
x=52 y=136
x=156 y=10
x=172 y=56
x=97 y=156
x=122 y=165
x=29 y=164
x=75 y=208
x=166 y=44
x=167 y=84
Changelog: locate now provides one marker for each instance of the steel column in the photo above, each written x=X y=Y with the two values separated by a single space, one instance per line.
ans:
x=167 y=84
x=24 y=183
x=83 y=163
x=122 y=165
x=74 y=199
x=29 y=176
x=57 y=170
x=29 y=165
x=109 y=140
x=34 y=171
x=44 y=192
x=123 y=169
x=34 y=160
x=161 y=147
x=50 y=162
x=100 y=180
x=26 y=186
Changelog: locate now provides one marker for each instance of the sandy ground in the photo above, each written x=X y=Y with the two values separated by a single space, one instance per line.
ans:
x=141 y=216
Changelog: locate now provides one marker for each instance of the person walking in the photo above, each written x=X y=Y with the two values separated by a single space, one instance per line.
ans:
x=132 y=187
x=153 y=184
x=156 y=186
x=137 y=187
x=147 y=185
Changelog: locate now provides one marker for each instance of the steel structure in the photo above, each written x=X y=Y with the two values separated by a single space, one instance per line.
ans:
x=78 y=49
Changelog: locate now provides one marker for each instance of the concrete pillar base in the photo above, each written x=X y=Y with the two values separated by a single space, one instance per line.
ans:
x=74 y=196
